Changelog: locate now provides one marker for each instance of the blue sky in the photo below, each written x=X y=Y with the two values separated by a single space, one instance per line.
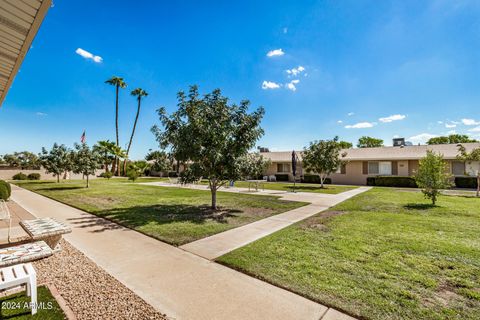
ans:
x=379 y=68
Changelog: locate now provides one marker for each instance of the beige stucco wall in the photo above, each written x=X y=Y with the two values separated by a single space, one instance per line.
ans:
x=353 y=174
x=402 y=168
x=9 y=173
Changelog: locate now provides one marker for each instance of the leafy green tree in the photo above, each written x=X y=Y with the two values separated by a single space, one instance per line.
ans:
x=473 y=155
x=432 y=175
x=105 y=148
x=253 y=165
x=139 y=93
x=162 y=162
x=56 y=161
x=323 y=157
x=118 y=83
x=453 y=138
x=23 y=159
x=85 y=161
x=369 y=142
x=345 y=144
x=211 y=134
x=136 y=169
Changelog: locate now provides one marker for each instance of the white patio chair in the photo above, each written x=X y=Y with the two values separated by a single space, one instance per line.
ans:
x=5 y=216
x=21 y=274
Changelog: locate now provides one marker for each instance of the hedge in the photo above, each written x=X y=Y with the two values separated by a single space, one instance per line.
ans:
x=466 y=182
x=20 y=176
x=392 y=181
x=5 y=190
x=281 y=177
x=34 y=176
x=173 y=174
x=313 y=178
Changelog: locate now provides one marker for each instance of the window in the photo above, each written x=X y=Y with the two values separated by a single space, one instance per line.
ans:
x=283 y=167
x=372 y=167
x=380 y=167
x=385 y=168
x=458 y=168
x=342 y=169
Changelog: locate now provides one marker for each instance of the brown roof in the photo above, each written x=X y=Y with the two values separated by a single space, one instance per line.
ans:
x=19 y=23
x=449 y=151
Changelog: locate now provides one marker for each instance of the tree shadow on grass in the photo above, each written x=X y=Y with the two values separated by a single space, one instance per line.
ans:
x=61 y=188
x=419 y=206
x=137 y=216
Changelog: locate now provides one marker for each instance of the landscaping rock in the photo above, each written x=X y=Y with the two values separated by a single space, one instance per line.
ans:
x=89 y=291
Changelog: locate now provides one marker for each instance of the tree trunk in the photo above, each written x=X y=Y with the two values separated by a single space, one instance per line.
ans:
x=88 y=182
x=114 y=166
x=133 y=133
x=116 y=128
x=214 y=198
x=58 y=178
x=321 y=180
x=478 y=185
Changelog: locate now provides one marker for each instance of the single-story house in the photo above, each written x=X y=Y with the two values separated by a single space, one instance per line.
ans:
x=361 y=163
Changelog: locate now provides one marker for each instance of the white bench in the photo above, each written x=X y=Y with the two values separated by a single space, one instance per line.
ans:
x=18 y=275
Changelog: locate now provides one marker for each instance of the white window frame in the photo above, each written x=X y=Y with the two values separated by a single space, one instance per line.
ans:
x=283 y=166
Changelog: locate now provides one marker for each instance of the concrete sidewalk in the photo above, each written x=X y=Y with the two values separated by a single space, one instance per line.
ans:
x=219 y=244
x=176 y=282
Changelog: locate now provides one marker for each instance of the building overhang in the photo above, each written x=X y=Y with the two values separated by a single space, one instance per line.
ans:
x=19 y=23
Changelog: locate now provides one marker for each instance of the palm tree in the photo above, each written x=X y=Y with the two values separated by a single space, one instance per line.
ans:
x=105 y=149
x=118 y=83
x=119 y=153
x=139 y=93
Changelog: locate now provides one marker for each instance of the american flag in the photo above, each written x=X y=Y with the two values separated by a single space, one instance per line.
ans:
x=83 y=138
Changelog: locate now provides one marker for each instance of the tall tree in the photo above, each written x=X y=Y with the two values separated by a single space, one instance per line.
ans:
x=432 y=175
x=473 y=155
x=56 y=161
x=323 y=157
x=139 y=93
x=369 y=142
x=211 y=134
x=118 y=83
x=453 y=138
x=85 y=161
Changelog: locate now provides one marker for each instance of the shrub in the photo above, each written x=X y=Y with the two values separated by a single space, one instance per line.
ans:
x=34 y=176
x=394 y=181
x=313 y=178
x=371 y=181
x=20 y=176
x=281 y=177
x=5 y=190
x=132 y=175
x=106 y=175
x=466 y=182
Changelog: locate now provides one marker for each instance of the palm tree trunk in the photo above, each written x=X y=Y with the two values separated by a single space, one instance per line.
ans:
x=131 y=137
x=116 y=124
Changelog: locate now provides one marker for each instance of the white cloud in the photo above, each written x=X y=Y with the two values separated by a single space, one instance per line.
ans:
x=393 y=117
x=285 y=30
x=470 y=122
x=339 y=121
x=350 y=114
x=41 y=114
x=295 y=71
x=360 y=125
x=450 y=125
x=476 y=129
x=276 y=52
x=422 y=138
x=291 y=85
x=88 y=55
x=270 y=85
x=452 y=132
x=440 y=122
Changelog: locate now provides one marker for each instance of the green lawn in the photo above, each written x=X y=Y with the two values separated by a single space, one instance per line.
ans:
x=384 y=254
x=301 y=187
x=16 y=306
x=174 y=215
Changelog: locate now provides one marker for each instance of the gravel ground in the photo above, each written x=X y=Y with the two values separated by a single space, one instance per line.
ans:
x=89 y=291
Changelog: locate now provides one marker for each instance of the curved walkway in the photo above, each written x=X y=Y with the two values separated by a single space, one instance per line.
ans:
x=174 y=281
